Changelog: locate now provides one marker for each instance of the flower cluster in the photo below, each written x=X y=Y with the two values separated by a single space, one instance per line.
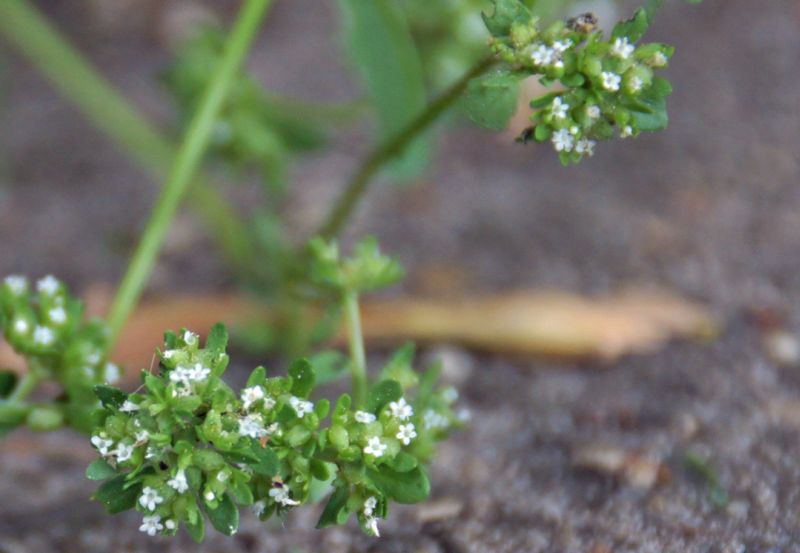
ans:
x=607 y=86
x=185 y=446
x=44 y=324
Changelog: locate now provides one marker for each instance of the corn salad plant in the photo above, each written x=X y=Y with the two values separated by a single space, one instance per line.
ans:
x=184 y=448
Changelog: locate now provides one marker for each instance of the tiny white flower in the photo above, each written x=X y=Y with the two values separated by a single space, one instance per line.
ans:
x=542 y=55
x=170 y=524
x=198 y=373
x=659 y=59
x=374 y=447
x=142 y=436
x=251 y=395
x=369 y=506
x=593 y=112
x=433 y=420
x=559 y=63
x=562 y=46
x=258 y=507
x=150 y=498
x=57 y=315
x=280 y=495
x=48 y=285
x=111 y=373
x=209 y=495
x=252 y=426
x=574 y=130
x=622 y=48
x=406 y=433
x=17 y=284
x=21 y=326
x=128 y=406
x=167 y=354
x=626 y=131
x=585 y=146
x=151 y=525
x=178 y=482
x=190 y=338
x=559 y=108
x=123 y=452
x=43 y=336
x=562 y=140
x=450 y=394
x=151 y=453
x=222 y=476
x=364 y=417
x=372 y=524
x=300 y=406
x=401 y=409
x=464 y=415
x=635 y=84
x=102 y=443
x=610 y=81
x=180 y=375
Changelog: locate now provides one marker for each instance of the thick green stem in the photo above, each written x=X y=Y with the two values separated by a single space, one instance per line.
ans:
x=355 y=341
x=394 y=146
x=75 y=78
x=189 y=156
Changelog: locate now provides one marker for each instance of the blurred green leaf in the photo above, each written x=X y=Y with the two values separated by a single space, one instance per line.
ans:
x=491 y=99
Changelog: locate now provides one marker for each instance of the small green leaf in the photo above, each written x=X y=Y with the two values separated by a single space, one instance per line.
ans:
x=320 y=470
x=257 y=377
x=268 y=462
x=505 y=14
x=8 y=380
x=241 y=493
x=404 y=487
x=633 y=28
x=100 y=470
x=197 y=530
x=225 y=518
x=218 y=338
x=381 y=394
x=491 y=100
x=335 y=511
x=302 y=374
x=110 y=396
x=117 y=495
x=403 y=462
x=329 y=366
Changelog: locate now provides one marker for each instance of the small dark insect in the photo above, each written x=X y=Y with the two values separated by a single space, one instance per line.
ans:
x=584 y=23
x=525 y=136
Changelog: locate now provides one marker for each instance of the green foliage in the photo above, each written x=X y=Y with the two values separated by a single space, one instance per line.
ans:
x=366 y=270
x=185 y=446
x=491 y=99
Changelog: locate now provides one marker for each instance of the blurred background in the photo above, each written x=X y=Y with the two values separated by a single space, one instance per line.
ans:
x=628 y=439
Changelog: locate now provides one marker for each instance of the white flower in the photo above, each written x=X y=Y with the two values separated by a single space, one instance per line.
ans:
x=464 y=414
x=48 y=285
x=543 y=55
x=635 y=84
x=559 y=108
x=21 y=326
x=128 y=406
x=435 y=420
x=167 y=354
x=374 y=447
x=593 y=112
x=372 y=524
x=251 y=395
x=450 y=394
x=610 y=81
x=111 y=373
x=300 y=406
x=401 y=409
x=150 y=498
x=280 y=495
x=626 y=131
x=562 y=46
x=102 y=443
x=151 y=525
x=43 y=336
x=58 y=315
x=141 y=437
x=562 y=141
x=209 y=495
x=170 y=524
x=190 y=338
x=252 y=426
x=364 y=417
x=151 y=452
x=659 y=59
x=17 y=284
x=622 y=48
x=369 y=506
x=223 y=476
x=258 y=507
x=123 y=452
x=585 y=146
x=178 y=482
x=406 y=433
x=199 y=372
x=180 y=375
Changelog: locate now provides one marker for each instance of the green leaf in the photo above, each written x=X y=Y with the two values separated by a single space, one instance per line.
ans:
x=506 y=13
x=302 y=374
x=329 y=366
x=218 y=338
x=403 y=462
x=100 y=470
x=257 y=377
x=404 y=487
x=117 y=495
x=110 y=396
x=381 y=394
x=268 y=463
x=380 y=43
x=633 y=28
x=491 y=99
x=225 y=518
x=241 y=493
x=197 y=530
x=8 y=380
x=649 y=111
x=335 y=512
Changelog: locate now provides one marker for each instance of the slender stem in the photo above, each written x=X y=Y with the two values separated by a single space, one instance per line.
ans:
x=394 y=146
x=24 y=386
x=189 y=156
x=355 y=341
x=75 y=78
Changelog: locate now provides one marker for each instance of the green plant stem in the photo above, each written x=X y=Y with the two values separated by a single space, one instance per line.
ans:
x=391 y=148
x=355 y=341
x=24 y=386
x=75 y=78
x=189 y=156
